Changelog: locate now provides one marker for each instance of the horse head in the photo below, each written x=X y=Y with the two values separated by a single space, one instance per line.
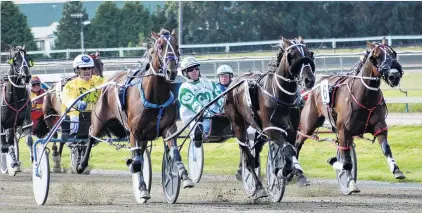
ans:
x=98 y=64
x=380 y=60
x=19 y=62
x=165 y=54
x=393 y=77
x=298 y=60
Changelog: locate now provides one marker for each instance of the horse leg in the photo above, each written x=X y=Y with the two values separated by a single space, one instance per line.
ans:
x=56 y=155
x=251 y=136
x=10 y=137
x=345 y=141
x=291 y=138
x=385 y=147
x=175 y=154
x=240 y=131
x=135 y=165
x=309 y=122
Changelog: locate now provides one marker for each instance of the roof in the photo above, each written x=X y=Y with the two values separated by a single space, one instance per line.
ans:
x=45 y=32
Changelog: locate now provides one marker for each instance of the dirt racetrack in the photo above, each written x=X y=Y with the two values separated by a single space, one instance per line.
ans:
x=111 y=191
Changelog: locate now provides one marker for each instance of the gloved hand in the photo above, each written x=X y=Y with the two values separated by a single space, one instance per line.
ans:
x=81 y=105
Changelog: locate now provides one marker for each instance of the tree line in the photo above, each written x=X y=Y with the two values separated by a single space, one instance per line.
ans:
x=219 y=22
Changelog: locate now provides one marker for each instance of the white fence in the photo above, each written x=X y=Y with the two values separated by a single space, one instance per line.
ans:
x=227 y=46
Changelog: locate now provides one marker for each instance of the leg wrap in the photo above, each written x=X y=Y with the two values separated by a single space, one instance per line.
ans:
x=386 y=149
x=175 y=154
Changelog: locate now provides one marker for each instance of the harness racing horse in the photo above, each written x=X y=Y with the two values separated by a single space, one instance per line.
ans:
x=392 y=78
x=264 y=102
x=15 y=104
x=356 y=106
x=148 y=110
x=52 y=107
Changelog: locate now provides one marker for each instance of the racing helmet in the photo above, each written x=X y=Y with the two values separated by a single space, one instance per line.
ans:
x=225 y=69
x=82 y=61
x=187 y=63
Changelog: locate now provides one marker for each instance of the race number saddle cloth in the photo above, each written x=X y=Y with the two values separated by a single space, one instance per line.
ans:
x=328 y=94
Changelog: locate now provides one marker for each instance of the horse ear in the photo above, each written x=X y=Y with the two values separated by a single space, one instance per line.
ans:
x=370 y=45
x=384 y=41
x=97 y=53
x=286 y=42
x=301 y=40
x=23 y=48
x=173 y=33
x=154 y=35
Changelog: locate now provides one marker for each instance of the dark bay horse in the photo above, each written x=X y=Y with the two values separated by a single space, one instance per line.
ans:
x=264 y=102
x=15 y=101
x=149 y=110
x=52 y=106
x=355 y=107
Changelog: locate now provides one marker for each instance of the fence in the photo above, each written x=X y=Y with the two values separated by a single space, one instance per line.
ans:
x=236 y=47
x=54 y=71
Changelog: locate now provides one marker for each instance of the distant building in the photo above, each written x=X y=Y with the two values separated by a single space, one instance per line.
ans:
x=44 y=37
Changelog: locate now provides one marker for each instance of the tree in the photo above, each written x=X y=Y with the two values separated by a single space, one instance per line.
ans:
x=69 y=28
x=166 y=17
x=104 y=30
x=14 y=28
x=136 y=24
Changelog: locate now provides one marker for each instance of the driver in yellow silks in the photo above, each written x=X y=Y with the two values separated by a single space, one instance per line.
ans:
x=83 y=66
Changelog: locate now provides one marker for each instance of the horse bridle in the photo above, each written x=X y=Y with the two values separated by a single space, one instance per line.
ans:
x=300 y=47
x=19 y=71
x=169 y=55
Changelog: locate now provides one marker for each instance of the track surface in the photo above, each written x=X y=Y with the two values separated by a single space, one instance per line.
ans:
x=109 y=191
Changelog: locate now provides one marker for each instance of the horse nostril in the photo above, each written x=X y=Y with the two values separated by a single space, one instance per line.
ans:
x=391 y=78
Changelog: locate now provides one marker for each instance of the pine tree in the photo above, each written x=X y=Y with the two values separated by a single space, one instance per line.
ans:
x=104 y=29
x=14 y=28
x=69 y=28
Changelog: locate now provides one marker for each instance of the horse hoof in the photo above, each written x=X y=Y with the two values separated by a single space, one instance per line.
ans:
x=188 y=183
x=260 y=193
x=145 y=195
x=290 y=177
x=17 y=168
x=57 y=169
x=302 y=181
x=80 y=169
x=353 y=187
x=87 y=171
x=399 y=175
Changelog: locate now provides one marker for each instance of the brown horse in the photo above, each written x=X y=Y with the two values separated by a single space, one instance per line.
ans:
x=264 y=102
x=52 y=107
x=149 y=110
x=356 y=106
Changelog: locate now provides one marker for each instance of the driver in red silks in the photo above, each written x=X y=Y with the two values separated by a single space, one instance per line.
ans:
x=36 y=112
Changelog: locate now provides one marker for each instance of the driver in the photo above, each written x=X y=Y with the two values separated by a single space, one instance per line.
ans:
x=83 y=65
x=194 y=94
